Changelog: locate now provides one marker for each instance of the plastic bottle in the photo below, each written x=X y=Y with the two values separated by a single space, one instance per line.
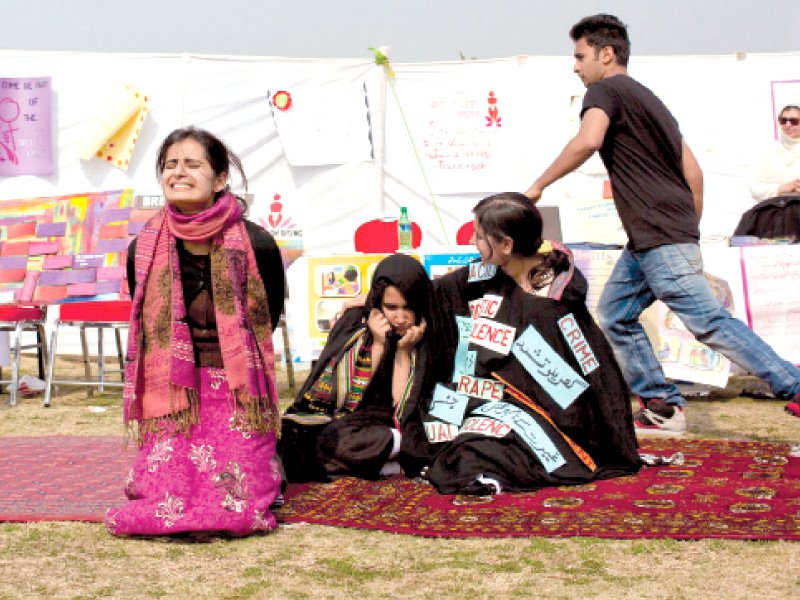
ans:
x=404 y=231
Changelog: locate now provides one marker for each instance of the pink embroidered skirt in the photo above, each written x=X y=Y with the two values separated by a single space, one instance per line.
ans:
x=217 y=478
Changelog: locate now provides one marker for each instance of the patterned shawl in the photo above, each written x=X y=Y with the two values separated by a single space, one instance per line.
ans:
x=161 y=379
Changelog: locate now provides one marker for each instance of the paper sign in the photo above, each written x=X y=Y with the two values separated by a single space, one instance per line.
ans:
x=492 y=335
x=550 y=371
x=440 y=432
x=486 y=306
x=578 y=344
x=462 y=362
x=485 y=426
x=447 y=405
x=479 y=387
x=481 y=271
x=26 y=145
x=528 y=429
x=324 y=125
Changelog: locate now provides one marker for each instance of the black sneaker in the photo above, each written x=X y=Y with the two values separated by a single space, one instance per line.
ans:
x=657 y=418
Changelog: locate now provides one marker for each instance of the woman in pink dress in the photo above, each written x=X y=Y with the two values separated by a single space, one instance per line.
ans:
x=208 y=289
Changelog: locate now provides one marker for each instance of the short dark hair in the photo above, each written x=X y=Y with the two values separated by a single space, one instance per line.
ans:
x=604 y=30
x=220 y=157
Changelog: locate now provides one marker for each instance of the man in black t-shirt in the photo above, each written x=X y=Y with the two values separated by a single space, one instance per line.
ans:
x=658 y=192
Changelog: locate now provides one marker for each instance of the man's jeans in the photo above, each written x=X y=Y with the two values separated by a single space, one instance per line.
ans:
x=673 y=273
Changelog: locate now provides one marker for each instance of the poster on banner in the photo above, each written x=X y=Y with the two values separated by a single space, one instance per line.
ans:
x=438 y=265
x=466 y=137
x=26 y=144
x=595 y=221
x=784 y=93
x=323 y=125
x=64 y=248
x=682 y=357
x=331 y=281
x=596 y=266
x=772 y=283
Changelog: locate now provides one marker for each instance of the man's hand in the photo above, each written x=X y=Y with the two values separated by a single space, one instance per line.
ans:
x=534 y=193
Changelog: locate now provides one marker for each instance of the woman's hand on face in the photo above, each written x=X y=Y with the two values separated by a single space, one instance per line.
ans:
x=789 y=188
x=412 y=337
x=378 y=325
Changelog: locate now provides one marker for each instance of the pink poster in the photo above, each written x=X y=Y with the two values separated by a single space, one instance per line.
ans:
x=26 y=146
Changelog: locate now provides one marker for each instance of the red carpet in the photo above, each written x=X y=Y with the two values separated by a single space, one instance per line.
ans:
x=734 y=490
x=61 y=478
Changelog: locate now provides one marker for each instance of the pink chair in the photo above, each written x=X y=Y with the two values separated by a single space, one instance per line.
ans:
x=380 y=236
x=20 y=319
x=100 y=315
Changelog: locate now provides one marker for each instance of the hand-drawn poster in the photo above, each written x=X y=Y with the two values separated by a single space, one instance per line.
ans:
x=464 y=137
x=323 y=125
x=682 y=357
x=784 y=93
x=64 y=248
x=772 y=288
x=26 y=145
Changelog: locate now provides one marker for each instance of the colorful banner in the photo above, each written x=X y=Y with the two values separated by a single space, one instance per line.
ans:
x=64 y=248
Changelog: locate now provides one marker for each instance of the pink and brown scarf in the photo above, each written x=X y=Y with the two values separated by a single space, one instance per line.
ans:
x=161 y=379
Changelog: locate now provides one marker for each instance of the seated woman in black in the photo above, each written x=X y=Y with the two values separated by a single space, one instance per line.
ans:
x=359 y=411
x=536 y=397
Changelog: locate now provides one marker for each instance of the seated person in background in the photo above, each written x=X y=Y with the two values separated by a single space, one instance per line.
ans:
x=545 y=402
x=359 y=411
x=778 y=171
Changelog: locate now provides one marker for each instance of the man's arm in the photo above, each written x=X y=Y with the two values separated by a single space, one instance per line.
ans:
x=694 y=177
x=577 y=151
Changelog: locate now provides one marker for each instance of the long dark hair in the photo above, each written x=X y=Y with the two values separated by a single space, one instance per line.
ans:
x=513 y=215
x=220 y=157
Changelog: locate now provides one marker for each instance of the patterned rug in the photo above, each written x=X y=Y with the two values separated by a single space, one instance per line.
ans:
x=61 y=478
x=724 y=489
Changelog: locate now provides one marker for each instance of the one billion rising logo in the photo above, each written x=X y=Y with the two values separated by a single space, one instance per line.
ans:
x=493 y=118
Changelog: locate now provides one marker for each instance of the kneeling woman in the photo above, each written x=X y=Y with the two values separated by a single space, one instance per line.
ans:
x=359 y=411
x=208 y=289
x=536 y=397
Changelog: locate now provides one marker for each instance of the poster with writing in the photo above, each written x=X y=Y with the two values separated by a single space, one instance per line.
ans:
x=323 y=125
x=596 y=265
x=784 y=93
x=595 y=220
x=465 y=137
x=772 y=286
x=26 y=145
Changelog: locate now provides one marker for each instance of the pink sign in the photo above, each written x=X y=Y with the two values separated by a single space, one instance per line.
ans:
x=26 y=146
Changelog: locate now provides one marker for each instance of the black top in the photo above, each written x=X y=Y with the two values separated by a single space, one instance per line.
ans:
x=196 y=275
x=642 y=152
